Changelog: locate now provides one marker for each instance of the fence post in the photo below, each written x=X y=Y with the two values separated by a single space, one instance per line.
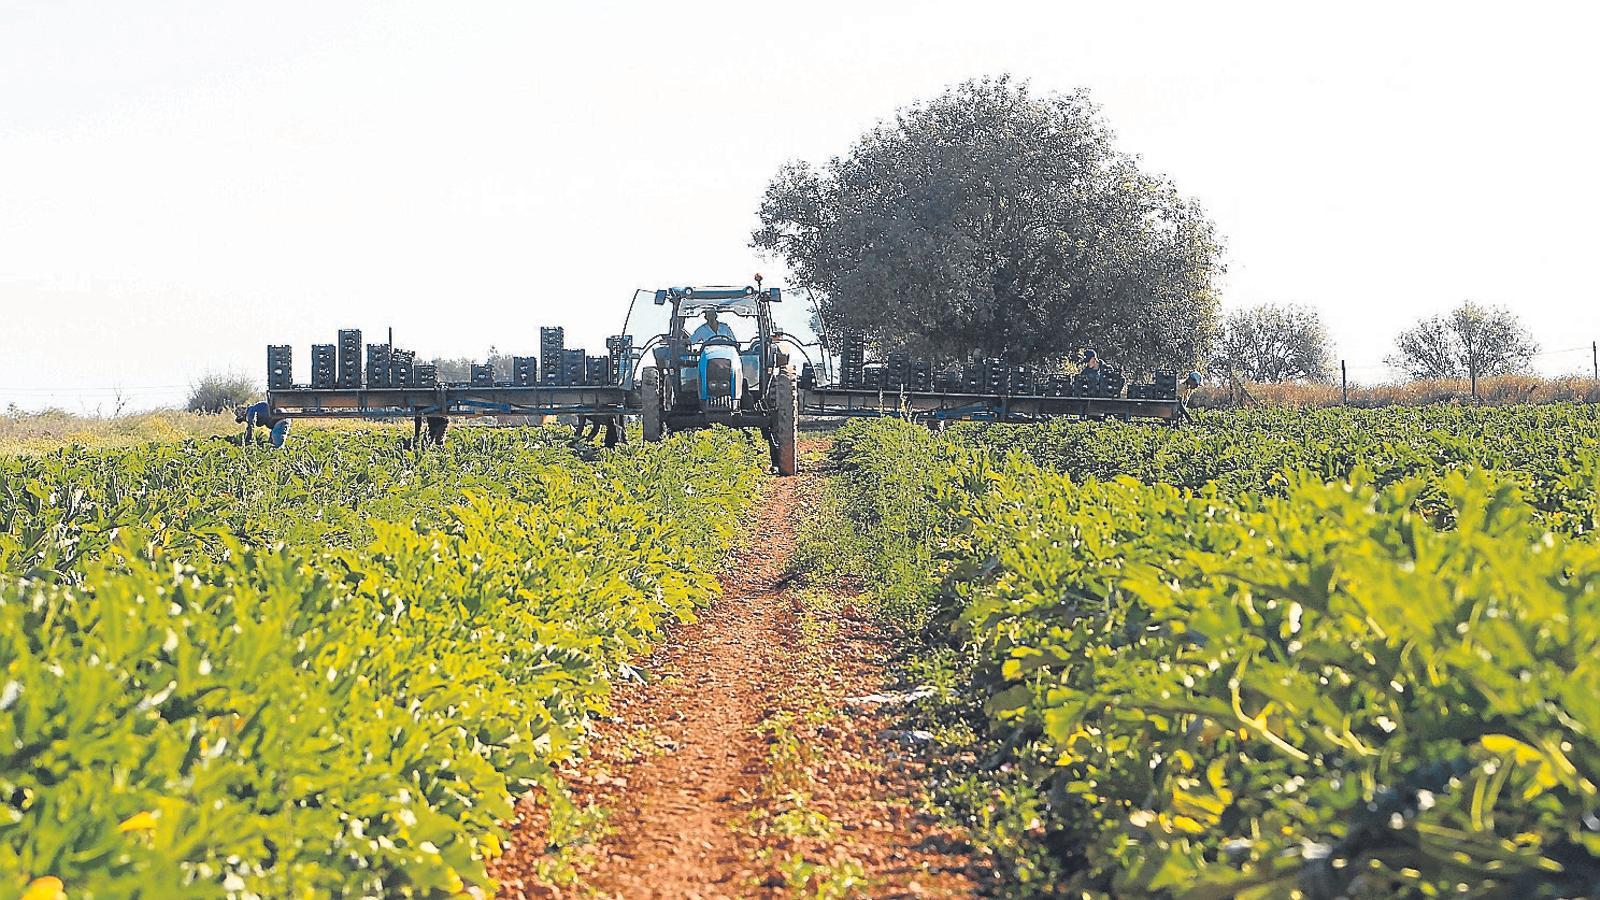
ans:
x=1594 y=350
x=1344 y=384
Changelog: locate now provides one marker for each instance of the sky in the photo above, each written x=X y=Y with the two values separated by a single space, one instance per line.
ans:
x=183 y=183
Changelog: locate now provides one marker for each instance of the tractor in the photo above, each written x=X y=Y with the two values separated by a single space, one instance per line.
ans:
x=704 y=374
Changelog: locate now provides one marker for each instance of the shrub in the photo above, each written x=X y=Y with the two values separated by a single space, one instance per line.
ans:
x=215 y=393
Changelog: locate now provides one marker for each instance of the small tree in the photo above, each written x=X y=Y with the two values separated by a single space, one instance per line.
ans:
x=215 y=393
x=1275 y=343
x=1469 y=341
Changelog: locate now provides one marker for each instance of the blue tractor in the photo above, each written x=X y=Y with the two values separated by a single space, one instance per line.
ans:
x=706 y=373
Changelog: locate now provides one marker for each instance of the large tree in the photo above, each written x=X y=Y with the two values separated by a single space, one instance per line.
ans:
x=1468 y=342
x=997 y=222
x=1273 y=343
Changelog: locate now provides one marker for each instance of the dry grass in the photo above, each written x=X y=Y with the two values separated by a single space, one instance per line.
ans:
x=41 y=432
x=1503 y=390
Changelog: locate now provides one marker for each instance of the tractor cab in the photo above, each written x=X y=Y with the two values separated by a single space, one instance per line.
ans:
x=721 y=361
x=719 y=353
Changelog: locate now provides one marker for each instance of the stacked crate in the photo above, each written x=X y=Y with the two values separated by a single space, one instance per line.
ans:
x=852 y=357
x=620 y=349
x=597 y=370
x=897 y=372
x=324 y=366
x=1166 y=386
x=425 y=375
x=378 y=365
x=524 y=371
x=573 y=363
x=280 y=367
x=552 y=341
x=1110 y=384
x=1019 y=381
x=921 y=376
x=994 y=376
x=350 y=359
x=949 y=381
x=402 y=373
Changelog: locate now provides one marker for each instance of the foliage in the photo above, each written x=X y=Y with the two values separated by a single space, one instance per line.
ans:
x=459 y=369
x=1498 y=390
x=1551 y=452
x=1469 y=342
x=1274 y=343
x=994 y=221
x=215 y=393
x=230 y=671
x=1337 y=686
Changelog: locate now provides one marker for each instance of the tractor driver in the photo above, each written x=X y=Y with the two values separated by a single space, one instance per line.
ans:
x=712 y=328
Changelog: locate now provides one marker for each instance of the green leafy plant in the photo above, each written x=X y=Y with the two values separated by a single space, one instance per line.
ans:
x=227 y=671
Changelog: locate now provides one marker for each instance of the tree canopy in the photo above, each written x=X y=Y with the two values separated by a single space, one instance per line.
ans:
x=1275 y=342
x=996 y=222
x=1469 y=341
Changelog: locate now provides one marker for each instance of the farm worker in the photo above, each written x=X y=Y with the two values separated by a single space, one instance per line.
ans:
x=1094 y=375
x=261 y=414
x=712 y=328
x=1189 y=386
x=1186 y=389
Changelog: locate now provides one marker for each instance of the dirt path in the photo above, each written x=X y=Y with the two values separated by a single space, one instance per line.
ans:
x=739 y=769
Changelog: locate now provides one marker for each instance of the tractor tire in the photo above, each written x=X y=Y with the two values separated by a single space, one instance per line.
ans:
x=650 y=400
x=785 y=422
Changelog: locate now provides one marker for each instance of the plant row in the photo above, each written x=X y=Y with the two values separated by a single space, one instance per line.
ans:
x=226 y=671
x=1333 y=686
x=1551 y=452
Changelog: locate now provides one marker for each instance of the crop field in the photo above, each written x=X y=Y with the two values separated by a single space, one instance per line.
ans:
x=227 y=671
x=1341 y=653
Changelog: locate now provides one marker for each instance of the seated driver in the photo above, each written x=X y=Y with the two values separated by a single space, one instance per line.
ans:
x=712 y=328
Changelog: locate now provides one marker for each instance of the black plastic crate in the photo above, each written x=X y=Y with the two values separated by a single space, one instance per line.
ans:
x=524 y=371
x=425 y=375
x=552 y=342
x=573 y=361
x=378 y=365
x=324 y=365
x=349 y=376
x=619 y=351
x=597 y=370
x=482 y=375
x=280 y=367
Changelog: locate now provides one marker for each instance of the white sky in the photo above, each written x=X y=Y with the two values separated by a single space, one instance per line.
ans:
x=182 y=183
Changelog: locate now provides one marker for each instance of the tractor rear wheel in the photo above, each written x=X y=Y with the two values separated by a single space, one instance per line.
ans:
x=785 y=422
x=651 y=403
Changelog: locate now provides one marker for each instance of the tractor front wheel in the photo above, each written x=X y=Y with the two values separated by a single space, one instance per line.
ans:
x=785 y=422
x=651 y=402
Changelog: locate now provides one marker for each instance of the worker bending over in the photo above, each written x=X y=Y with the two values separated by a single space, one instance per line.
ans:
x=261 y=414
x=1186 y=389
